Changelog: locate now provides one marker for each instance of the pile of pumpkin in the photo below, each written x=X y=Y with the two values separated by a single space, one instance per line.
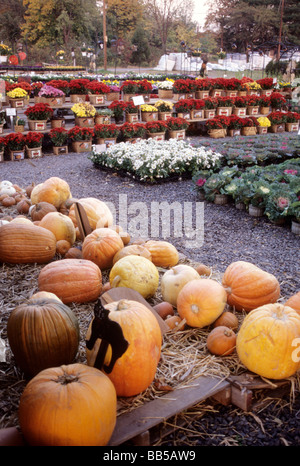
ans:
x=62 y=396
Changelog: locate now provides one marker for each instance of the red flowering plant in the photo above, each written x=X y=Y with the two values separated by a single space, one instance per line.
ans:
x=250 y=121
x=277 y=118
x=235 y=122
x=156 y=126
x=240 y=101
x=265 y=83
x=277 y=100
x=58 y=136
x=36 y=87
x=218 y=122
x=232 y=84
x=144 y=86
x=225 y=101
x=244 y=81
x=34 y=139
x=133 y=130
x=2 y=143
x=292 y=117
x=210 y=103
x=78 y=133
x=184 y=105
x=129 y=87
x=264 y=101
x=106 y=131
x=130 y=107
x=198 y=104
x=253 y=100
x=78 y=86
x=97 y=87
x=118 y=107
x=22 y=84
x=184 y=86
x=61 y=84
x=176 y=124
x=15 y=141
x=39 y=112
x=202 y=84
x=219 y=83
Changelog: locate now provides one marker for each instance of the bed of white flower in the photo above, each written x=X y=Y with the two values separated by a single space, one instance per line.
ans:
x=150 y=160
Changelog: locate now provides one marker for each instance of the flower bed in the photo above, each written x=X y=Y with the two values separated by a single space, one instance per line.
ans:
x=150 y=161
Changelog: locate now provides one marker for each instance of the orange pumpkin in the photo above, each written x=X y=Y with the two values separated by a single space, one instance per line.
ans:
x=221 y=341
x=61 y=226
x=249 y=287
x=294 y=302
x=62 y=247
x=72 y=280
x=73 y=253
x=39 y=210
x=163 y=253
x=22 y=243
x=201 y=302
x=54 y=190
x=70 y=405
x=227 y=319
x=135 y=249
x=98 y=213
x=135 y=370
x=100 y=247
x=42 y=333
x=267 y=341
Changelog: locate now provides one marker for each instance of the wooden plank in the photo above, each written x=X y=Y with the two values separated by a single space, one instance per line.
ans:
x=82 y=220
x=115 y=294
x=143 y=418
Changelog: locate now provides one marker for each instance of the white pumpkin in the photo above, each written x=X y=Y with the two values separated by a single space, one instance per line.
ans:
x=7 y=189
x=174 y=279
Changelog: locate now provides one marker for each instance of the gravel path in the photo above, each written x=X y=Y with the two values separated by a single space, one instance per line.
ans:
x=229 y=235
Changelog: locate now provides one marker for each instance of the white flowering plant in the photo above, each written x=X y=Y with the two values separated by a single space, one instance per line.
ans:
x=150 y=160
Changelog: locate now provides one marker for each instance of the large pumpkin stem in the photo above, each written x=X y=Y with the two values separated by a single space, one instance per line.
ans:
x=67 y=378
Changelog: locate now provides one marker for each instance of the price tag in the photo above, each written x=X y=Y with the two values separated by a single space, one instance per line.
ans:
x=138 y=100
x=100 y=147
x=11 y=111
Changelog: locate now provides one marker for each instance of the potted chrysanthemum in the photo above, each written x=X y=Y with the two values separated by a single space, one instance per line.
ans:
x=59 y=139
x=97 y=92
x=103 y=116
x=106 y=134
x=264 y=124
x=156 y=129
x=15 y=143
x=84 y=114
x=131 y=112
x=34 y=144
x=165 y=89
x=292 y=121
x=38 y=115
x=51 y=95
x=217 y=126
x=177 y=127
x=149 y=112
x=133 y=131
x=81 y=138
x=164 y=109
x=17 y=97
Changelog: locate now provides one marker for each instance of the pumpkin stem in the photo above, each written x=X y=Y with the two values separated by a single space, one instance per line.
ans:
x=67 y=378
x=194 y=308
x=116 y=281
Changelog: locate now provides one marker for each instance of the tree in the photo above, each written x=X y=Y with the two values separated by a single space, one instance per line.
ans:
x=123 y=16
x=141 y=42
x=11 y=18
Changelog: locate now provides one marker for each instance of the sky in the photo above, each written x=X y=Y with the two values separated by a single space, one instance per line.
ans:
x=200 y=11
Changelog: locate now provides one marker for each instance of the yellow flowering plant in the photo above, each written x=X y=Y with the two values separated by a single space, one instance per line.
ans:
x=253 y=86
x=5 y=50
x=148 y=108
x=164 y=106
x=60 y=53
x=84 y=109
x=264 y=121
x=17 y=93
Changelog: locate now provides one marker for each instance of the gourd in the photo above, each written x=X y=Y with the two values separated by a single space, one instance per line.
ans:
x=266 y=341
x=100 y=247
x=135 y=272
x=135 y=370
x=54 y=190
x=227 y=319
x=174 y=279
x=201 y=302
x=294 y=302
x=72 y=280
x=42 y=333
x=45 y=295
x=163 y=253
x=70 y=405
x=25 y=243
x=39 y=210
x=98 y=213
x=221 y=341
x=61 y=226
x=133 y=249
x=248 y=287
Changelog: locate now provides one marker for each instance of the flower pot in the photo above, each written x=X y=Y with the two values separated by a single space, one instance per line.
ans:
x=17 y=103
x=253 y=92
x=77 y=98
x=190 y=95
x=292 y=126
x=111 y=96
x=58 y=123
x=149 y=116
x=37 y=125
x=253 y=110
x=210 y=113
x=234 y=132
x=242 y=93
x=240 y=206
x=239 y=111
x=81 y=146
x=221 y=199
x=295 y=227
x=266 y=92
x=2 y=156
x=96 y=99
x=19 y=128
x=201 y=195
x=231 y=93
x=264 y=110
x=280 y=128
x=59 y=150
x=249 y=131
x=279 y=221
x=102 y=120
x=127 y=97
x=165 y=94
x=262 y=129
x=164 y=116
x=131 y=140
x=202 y=94
x=255 y=211
x=216 y=92
x=17 y=154
x=217 y=133
x=224 y=111
x=52 y=101
x=186 y=116
x=177 y=97
x=34 y=153
x=107 y=141
x=131 y=117
x=157 y=136
x=85 y=122
x=177 y=134
x=196 y=114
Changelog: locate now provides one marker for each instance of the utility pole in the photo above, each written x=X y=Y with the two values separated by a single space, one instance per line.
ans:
x=104 y=36
x=280 y=29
